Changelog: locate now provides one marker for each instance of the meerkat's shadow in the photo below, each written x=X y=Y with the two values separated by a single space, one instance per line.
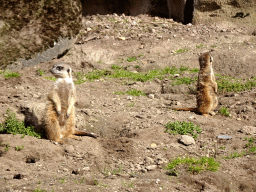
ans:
x=32 y=120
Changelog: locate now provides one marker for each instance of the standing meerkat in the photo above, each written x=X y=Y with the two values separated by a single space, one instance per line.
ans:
x=207 y=99
x=60 y=115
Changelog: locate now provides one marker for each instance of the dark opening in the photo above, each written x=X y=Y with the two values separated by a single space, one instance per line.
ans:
x=128 y=7
x=188 y=11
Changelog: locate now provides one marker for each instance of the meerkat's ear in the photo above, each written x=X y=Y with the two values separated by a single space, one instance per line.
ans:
x=69 y=72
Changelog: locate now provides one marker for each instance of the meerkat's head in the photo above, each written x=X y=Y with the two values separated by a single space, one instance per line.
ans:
x=61 y=70
x=205 y=59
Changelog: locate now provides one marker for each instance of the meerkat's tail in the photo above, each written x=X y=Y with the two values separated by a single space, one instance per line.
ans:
x=185 y=109
x=81 y=133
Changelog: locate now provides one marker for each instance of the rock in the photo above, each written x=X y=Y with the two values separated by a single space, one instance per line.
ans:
x=151 y=167
x=151 y=96
x=149 y=160
x=63 y=18
x=224 y=139
x=143 y=170
x=129 y=98
x=69 y=149
x=153 y=145
x=249 y=130
x=121 y=38
x=187 y=140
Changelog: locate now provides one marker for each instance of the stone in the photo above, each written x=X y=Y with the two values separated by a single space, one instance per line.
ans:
x=151 y=167
x=149 y=160
x=187 y=140
x=47 y=28
x=153 y=145
x=151 y=96
x=69 y=149
x=249 y=130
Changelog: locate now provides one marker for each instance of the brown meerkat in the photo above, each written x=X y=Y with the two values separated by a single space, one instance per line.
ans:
x=206 y=97
x=60 y=115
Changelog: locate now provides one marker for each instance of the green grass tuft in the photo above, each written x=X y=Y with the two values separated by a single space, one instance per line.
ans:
x=199 y=46
x=181 y=50
x=51 y=78
x=184 y=80
x=14 y=126
x=131 y=59
x=228 y=84
x=135 y=92
x=235 y=155
x=8 y=74
x=183 y=128
x=224 y=111
x=195 y=166
x=40 y=72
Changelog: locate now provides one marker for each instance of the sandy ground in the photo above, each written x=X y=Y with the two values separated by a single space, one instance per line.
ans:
x=133 y=149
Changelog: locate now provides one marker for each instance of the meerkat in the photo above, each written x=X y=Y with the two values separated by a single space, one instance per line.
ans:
x=60 y=115
x=207 y=99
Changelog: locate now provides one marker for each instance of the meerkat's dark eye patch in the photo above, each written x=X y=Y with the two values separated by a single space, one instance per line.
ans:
x=68 y=70
x=211 y=59
x=59 y=68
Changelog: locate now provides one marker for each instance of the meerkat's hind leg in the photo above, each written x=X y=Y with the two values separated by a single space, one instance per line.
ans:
x=206 y=114
x=212 y=113
x=75 y=137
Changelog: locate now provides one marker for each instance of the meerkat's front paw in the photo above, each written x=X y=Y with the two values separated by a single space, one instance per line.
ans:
x=68 y=115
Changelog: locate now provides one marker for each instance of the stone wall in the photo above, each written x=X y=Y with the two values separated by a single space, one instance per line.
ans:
x=29 y=27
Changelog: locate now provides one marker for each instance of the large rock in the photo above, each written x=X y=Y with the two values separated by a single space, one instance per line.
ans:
x=28 y=28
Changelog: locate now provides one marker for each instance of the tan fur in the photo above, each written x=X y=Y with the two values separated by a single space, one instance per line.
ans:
x=60 y=115
x=207 y=99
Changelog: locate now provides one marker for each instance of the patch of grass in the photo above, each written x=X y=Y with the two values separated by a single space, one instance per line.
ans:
x=14 y=126
x=115 y=67
x=183 y=68
x=6 y=146
x=99 y=183
x=51 y=78
x=194 y=70
x=79 y=182
x=181 y=50
x=213 y=46
x=40 y=72
x=119 y=72
x=183 y=128
x=137 y=66
x=199 y=46
x=63 y=180
x=131 y=105
x=99 y=62
x=184 y=80
x=224 y=111
x=250 y=142
x=128 y=185
x=131 y=59
x=135 y=92
x=8 y=74
x=39 y=190
x=119 y=93
x=17 y=148
x=228 y=84
x=222 y=147
x=235 y=155
x=108 y=170
x=195 y=166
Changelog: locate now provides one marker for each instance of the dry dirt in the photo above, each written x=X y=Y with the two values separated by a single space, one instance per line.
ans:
x=133 y=149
